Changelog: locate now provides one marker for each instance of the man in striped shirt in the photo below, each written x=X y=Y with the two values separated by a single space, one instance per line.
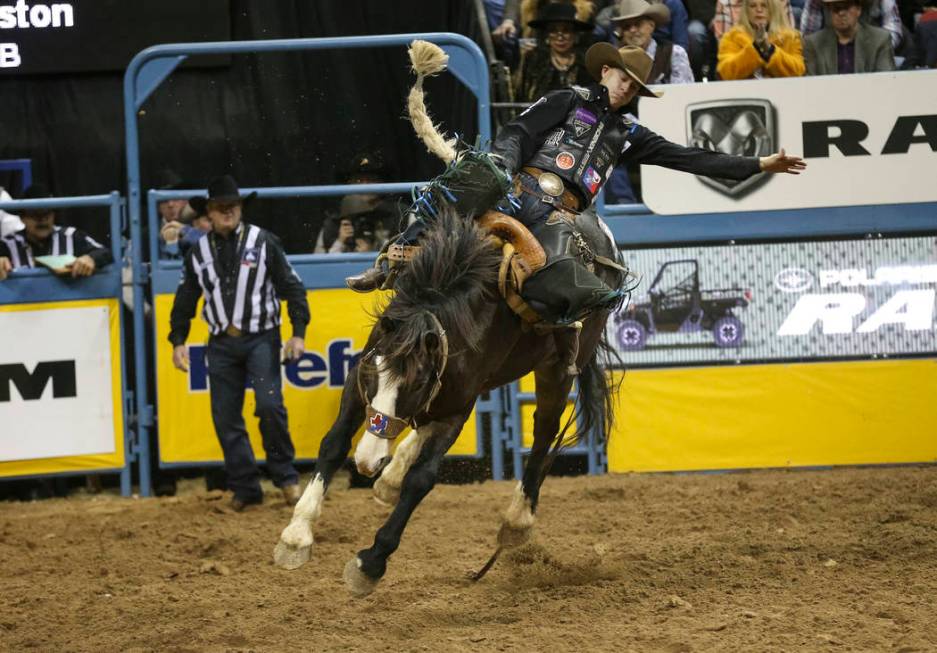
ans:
x=41 y=237
x=242 y=273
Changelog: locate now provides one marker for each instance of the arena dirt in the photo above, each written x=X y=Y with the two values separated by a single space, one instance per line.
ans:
x=825 y=560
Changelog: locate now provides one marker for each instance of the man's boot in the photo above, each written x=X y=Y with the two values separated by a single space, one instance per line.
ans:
x=369 y=280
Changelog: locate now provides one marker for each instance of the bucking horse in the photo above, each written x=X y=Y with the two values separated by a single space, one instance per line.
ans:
x=446 y=336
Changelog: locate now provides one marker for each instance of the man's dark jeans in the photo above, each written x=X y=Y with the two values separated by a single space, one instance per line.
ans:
x=231 y=361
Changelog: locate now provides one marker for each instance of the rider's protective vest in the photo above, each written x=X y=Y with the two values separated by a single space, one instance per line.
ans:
x=586 y=145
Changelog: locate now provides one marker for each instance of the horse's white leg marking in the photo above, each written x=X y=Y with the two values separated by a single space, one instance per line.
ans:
x=295 y=545
x=387 y=487
x=371 y=450
x=518 y=520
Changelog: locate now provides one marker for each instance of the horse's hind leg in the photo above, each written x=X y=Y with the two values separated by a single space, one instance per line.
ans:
x=363 y=572
x=295 y=545
x=553 y=386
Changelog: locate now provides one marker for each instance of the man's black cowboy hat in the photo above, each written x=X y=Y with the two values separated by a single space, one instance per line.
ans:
x=37 y=191
x=559 y=12
x=365 y=163
x=220 y=189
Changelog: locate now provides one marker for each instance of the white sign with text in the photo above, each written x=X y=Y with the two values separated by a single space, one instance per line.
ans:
x=868 y=139
x=56 y=394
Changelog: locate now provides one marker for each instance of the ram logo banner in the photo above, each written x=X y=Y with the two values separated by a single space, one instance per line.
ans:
x=858 y=152
x=737 y=127
x=800 y=301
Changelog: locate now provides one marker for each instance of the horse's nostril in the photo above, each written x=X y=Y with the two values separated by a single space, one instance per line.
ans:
x=382 y=463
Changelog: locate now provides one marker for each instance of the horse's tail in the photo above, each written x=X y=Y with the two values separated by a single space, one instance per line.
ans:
x=428 y=59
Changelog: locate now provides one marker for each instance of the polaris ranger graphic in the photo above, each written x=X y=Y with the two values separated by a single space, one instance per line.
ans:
x=676 y=304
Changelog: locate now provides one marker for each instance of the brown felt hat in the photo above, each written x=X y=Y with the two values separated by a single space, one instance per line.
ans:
x=628 y=9
x=633 y=61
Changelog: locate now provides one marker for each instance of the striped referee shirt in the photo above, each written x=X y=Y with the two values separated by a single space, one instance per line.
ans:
x=242 y=279
x=63 y=240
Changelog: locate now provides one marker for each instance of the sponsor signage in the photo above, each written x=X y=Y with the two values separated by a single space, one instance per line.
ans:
x=59 y=381
x=787 y=301
x=312 y=387
x=858 y=151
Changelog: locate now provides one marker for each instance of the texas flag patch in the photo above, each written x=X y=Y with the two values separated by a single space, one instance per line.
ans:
x=591 y=179
x=378 y=424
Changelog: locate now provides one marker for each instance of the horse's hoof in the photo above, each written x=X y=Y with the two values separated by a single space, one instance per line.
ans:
x=386 y=494
x=510 y=537
x=294 y=548
x=359 y=584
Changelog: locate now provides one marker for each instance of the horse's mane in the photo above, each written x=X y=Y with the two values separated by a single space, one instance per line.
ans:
x=454 y=273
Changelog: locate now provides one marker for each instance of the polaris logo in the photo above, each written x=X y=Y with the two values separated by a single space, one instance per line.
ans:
x=32 y=385
x=793 y=280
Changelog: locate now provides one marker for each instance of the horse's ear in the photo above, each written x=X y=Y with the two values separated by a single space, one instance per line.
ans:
x=431 y=342
x=388 y=324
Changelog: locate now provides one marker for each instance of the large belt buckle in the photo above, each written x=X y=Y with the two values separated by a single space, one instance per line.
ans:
x=551 y=184
x=233 y=331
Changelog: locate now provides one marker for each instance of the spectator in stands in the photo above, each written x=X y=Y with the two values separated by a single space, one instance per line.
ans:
x=926 y=36
x=879 y=13
x=41 y=237
x=729 y=12
x=364 y=168
x=560 y=61
x=847 y=45
x=9 y=223
x=174 y=213
x=763 y=44
x=675 y=29
x=361 y=226
x=635 y=24
x=193 y=223
x=702 y=41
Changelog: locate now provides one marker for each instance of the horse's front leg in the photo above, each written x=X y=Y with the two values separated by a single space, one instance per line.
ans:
x=363 y=572
x=295 y=545
x=553 y=386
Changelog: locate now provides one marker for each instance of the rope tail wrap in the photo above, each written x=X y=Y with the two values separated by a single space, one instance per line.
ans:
x=426 y=60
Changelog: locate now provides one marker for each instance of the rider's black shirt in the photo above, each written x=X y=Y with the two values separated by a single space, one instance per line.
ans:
x=575 y=133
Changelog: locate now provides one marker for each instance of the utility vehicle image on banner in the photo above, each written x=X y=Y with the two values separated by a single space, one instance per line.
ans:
x=675 y=304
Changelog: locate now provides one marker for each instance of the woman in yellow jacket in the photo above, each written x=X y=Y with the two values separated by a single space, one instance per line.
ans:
x=761 y=45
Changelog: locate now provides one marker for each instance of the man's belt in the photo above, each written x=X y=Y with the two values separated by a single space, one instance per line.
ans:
x=552 y=189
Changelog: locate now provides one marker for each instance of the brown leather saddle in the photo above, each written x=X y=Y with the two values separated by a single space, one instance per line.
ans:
x=522 y=256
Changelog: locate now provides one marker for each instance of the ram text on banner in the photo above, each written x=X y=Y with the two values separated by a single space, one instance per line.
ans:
x=868 y=139
x=60 y=389
x=311 y=390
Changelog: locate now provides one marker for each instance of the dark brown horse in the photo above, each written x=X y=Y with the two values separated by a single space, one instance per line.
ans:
x=446 y=337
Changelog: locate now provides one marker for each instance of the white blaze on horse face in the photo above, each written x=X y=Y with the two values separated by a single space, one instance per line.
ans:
x=371 y=450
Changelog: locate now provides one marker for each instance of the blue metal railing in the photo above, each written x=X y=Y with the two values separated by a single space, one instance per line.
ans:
x=152 y=66
x=42 y=286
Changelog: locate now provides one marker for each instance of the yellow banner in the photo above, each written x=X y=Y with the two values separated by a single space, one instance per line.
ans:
x=796 y=415
x=311 y=391
x=77 y=463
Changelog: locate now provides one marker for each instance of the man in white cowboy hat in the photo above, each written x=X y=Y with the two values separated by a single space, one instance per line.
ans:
x=635 y=22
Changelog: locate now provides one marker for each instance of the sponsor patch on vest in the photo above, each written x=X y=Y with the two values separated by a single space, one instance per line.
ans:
x=591 y=179
x=583 y=120
x=583 y=92
x=586 y=116
x=554 y=139
x=565 y=160
x=250 y=257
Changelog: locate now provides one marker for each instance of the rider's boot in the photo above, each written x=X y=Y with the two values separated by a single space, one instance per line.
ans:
x=383 y=272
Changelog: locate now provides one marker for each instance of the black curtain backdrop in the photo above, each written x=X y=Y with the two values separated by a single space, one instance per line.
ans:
x=268 y=119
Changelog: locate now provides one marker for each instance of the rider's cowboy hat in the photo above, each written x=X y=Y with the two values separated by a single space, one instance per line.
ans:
x=557 y=12
x=629 y=9
x=221 y=189
x=633 y=61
